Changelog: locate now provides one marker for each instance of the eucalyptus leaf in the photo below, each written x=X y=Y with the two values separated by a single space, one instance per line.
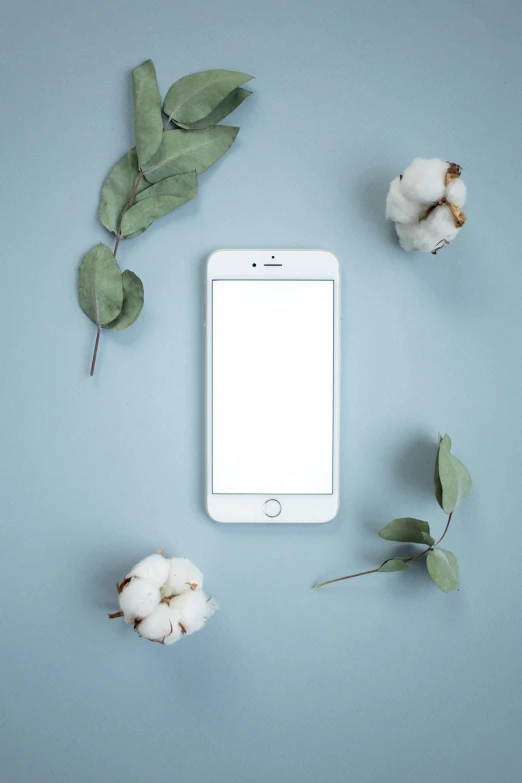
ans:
x=222 y=110
x=408 y=530
x=145 y=212
x=394 y=564
x=445 y=440
x=133 y=298
x=100 y=287
x=180 y=185
x=174 y=192
x=443 y=568
x=452 y=480
x=188 y=150
x=117 y=190
x=194 y=97
x=135 y=233
x=148 y=121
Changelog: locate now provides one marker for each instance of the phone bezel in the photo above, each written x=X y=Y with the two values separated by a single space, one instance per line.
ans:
x=272 y=265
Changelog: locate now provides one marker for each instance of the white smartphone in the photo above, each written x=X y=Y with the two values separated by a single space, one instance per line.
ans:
x=273 y=353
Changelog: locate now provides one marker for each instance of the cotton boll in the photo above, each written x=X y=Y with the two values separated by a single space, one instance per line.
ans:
x=441 y=225
x=183 y=576
x=399 y=208
x=431 y=234
x=409 y=235
x=195 y=607
x=162 y=625
x=138 y=598
x=424 y=180
x=154 y=568
x=177 y=631
x=456 y=192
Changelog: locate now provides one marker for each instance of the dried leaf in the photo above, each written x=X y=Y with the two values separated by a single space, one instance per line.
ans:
x=152 y=206
x=443 y=568
x=117 y=189
x=194 y=97
x=148 y=120
x=188 y=150
x=394 y=564
x=226 y=107
x=133 y=298
x=452 y=479
x=100 y=287
x=408 y=530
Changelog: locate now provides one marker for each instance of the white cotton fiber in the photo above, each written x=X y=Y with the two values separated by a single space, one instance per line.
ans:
x=424 y=180
x=162 y=624
x=138 y=598
x=195 y=607
x=399 y=208
x=154 y=568
x=182 y=577
x=164 y=599
x=409 y=235
x=423 y=207
x=429 y=234
x=456 y=192
x=442 y=225
x=177 y=631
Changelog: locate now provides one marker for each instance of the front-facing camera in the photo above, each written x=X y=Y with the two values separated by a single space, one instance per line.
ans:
x=254 y=264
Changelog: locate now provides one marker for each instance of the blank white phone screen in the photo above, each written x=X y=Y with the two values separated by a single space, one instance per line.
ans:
x=272 y=386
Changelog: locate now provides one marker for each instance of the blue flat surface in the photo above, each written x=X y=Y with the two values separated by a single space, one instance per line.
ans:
x=382 y=678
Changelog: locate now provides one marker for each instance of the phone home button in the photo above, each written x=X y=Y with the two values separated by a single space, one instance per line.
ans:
x=272 y=508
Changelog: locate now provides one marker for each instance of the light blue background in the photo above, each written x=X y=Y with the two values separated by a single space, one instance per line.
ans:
x=380 y=678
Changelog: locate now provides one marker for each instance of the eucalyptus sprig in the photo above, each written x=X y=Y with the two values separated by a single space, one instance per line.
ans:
x=452 y=484
x=154 y=178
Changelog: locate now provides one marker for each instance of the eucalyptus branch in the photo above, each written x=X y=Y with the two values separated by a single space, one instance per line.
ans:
x=128 y=205
x=452 y=484
x=172 y=161
x=376 y=570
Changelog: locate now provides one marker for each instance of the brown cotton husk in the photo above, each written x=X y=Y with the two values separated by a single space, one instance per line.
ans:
x=454 y=171
x=125 y=582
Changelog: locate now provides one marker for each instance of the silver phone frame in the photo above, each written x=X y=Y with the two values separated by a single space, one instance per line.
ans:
x=273 y=265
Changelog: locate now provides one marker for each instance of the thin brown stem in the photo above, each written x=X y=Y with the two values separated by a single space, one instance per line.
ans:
x=374 y=570
x=115 y=615
x=116 y=246
x=342 y=578
x=95 y=354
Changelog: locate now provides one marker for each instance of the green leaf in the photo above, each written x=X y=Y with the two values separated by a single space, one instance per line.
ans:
x=443 y=569
x=100 y=287
x=394 y=564
x=222 y=110
x=437 y=486
x=408 y=530
x=194 y=97
x=445 y=440
x=148 y=120
x=180 y=185
x=135 y=233
x=157 y=201
x=452 y=480
x=133 y=298
x=188 y=150
x=117 y=189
